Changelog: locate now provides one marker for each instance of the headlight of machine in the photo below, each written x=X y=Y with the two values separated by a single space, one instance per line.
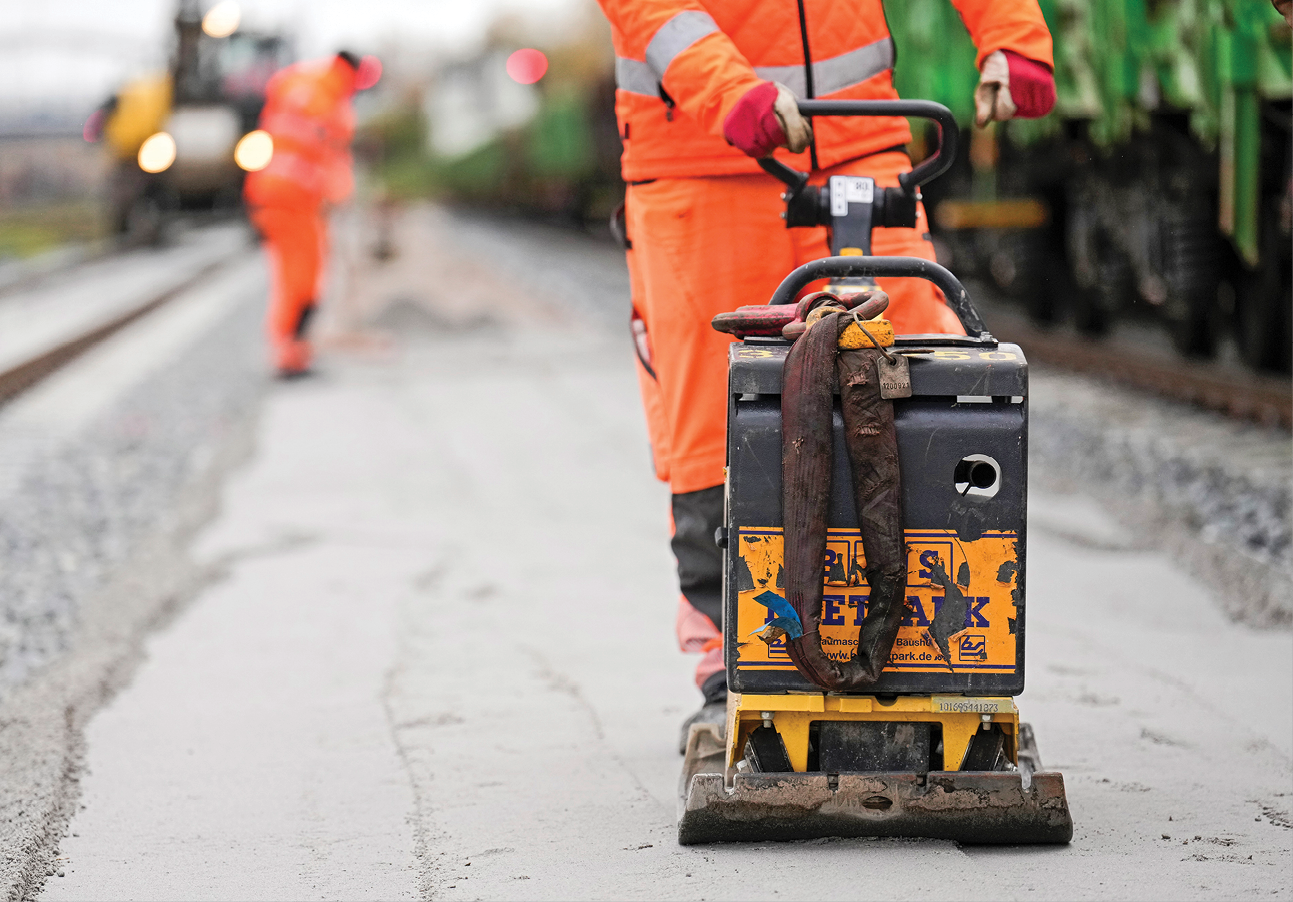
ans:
x=254 y=150
x=157 y=153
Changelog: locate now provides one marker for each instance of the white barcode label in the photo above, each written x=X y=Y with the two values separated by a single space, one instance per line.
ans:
x=850 y=189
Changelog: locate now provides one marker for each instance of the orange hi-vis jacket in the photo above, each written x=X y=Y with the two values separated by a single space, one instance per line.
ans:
x=308 y=114
x=681 y=65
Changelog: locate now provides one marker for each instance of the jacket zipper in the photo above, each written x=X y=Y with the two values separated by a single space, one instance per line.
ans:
x=808 y=74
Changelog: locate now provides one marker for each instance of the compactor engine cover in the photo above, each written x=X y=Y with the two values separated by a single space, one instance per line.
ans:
x=935 y=747
x=963 y=454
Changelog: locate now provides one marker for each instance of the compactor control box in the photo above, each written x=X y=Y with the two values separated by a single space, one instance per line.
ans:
x=963 y=454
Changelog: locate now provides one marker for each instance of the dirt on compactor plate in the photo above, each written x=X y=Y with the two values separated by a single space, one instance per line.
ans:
x=974 y=807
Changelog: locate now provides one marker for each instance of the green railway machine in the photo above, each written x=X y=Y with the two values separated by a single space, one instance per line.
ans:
x=1162 y=179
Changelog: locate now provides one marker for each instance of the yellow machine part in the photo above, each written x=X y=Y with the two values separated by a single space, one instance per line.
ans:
x=857 y=336
x=142 y=108
x=1010 y=213
x=853 y=337
x=960 y=717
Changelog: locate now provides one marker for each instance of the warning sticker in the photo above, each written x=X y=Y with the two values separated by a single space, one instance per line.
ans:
x=960 y=600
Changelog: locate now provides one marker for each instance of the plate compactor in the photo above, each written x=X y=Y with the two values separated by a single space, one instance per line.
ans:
x=874 y=546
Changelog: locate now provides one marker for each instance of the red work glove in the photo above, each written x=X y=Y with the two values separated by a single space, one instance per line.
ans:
x=766 y=118
x=1012 y=86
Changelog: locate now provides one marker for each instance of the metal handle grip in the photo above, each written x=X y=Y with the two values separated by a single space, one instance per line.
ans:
x=949 y=132
x=881 y=267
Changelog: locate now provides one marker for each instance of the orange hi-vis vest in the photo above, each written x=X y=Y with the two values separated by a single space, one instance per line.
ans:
x=308 y=114
x=681 y=65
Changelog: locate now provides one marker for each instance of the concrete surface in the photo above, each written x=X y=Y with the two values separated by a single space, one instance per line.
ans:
x=441 y=664
x=106 y=469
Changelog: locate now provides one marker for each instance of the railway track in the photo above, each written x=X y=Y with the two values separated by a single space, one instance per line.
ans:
x=1260 y=398
x=1241 y=395
x=58 y=323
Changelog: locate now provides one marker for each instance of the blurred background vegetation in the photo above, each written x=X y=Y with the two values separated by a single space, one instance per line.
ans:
x=471 y=135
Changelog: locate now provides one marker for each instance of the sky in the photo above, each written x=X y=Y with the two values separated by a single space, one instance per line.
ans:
x=70 y=54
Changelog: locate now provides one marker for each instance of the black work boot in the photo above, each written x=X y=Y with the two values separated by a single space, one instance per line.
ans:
x=714 y=710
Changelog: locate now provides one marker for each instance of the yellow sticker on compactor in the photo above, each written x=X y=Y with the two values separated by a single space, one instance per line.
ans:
x=980 y=577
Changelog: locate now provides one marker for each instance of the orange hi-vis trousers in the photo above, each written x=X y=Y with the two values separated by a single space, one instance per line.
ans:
x=702 y=246
x=296 y=241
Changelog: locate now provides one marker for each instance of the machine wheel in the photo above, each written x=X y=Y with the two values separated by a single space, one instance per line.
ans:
x=1024 y=266
x=1051 y=288
x=144 y=221
x=139 y=206
x=1191 y=252
x=126 y=184
x=1102 y=274
x=1094 y=308
x=1264 y=301
x=1192 y=324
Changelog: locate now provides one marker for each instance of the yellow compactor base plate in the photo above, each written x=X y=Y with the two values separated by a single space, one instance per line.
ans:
x=720 y=803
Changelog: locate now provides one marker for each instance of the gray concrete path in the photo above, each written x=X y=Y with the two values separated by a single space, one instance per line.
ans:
x=442 y=666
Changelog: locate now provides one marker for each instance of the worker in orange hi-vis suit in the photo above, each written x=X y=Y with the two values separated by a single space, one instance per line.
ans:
x=308 y=115
x=705 y=88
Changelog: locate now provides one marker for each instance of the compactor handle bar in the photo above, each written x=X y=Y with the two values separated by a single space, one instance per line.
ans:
x=891 y=267
x=949 y=135
x=930 y=168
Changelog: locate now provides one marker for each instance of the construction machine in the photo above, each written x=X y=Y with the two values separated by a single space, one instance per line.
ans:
x=875 y=538
x=175 y=137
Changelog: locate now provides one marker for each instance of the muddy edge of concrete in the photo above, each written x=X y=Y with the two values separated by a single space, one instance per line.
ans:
x=151 y=467
x=1214 y=493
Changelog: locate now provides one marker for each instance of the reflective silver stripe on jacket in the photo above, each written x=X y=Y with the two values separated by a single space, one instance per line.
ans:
x=829 y=75
x=834 y=74
x=636 y=77
x=673 y=37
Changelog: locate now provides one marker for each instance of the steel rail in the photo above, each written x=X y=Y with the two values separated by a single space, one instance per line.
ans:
x=19 y=377
x=1239 y=395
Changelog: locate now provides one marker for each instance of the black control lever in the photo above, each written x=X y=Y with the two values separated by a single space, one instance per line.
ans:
x=792 y=177
x=809 y=205
x=851 y=206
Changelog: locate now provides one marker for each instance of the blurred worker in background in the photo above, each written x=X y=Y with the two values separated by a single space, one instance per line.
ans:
x=704 y=88
x=308 y=115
